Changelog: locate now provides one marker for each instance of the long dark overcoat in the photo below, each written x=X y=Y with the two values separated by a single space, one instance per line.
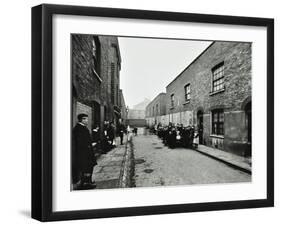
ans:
x=83 y=158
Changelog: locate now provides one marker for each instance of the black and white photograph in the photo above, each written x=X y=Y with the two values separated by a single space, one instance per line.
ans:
x=135 y=113
x=148 y=112
x=142 y=112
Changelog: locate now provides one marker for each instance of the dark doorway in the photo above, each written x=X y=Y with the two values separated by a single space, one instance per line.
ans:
x=96 y=114
x=200 y=125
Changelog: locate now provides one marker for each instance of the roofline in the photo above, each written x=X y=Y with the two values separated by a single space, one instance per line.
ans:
x=191 y=63
x=162 y=93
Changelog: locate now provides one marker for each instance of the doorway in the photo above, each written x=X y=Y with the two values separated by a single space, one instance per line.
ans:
x=96 y=114
x=200 y=126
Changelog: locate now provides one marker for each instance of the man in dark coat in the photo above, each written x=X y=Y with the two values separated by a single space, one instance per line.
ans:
x=111 y=133
x=121 y=131
x=83 y=158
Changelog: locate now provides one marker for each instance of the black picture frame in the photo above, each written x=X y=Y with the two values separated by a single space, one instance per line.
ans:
x=42 y=107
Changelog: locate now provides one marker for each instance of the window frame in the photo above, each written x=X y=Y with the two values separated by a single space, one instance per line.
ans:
x=172 y=99
x=157 y=109
x=218 y=77
x=95 y=54
x=186 y=94
x=218 y=125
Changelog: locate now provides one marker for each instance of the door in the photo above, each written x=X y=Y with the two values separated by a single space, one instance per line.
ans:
x=200 y=126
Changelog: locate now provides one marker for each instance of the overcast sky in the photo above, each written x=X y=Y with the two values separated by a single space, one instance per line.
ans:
x=149 y=65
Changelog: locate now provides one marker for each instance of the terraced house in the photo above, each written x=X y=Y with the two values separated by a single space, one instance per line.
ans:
x=213 y=93
x=96 y=65
x=155 y=111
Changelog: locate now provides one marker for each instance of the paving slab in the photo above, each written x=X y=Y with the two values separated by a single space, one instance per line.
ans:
x=107 y=172
x=105 y=184
x=236 y=161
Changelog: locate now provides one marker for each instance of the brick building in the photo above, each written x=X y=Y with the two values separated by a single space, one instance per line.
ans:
x=155 y=111
x=123 y=107
x=136 y=118
x=136 y=114
x=96 y=65
x=213 y=93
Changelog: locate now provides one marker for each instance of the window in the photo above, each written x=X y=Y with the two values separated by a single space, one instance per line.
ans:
x=157 y=109
x=95 y=56
x=172 y=100
x=218 y=77
x=94 y=49
x=218 y=122
x=187 y=92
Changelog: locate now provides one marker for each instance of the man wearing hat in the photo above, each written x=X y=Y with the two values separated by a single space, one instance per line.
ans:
x=83 y=158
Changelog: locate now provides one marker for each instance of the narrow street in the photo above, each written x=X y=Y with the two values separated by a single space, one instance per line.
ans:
x=156 y=165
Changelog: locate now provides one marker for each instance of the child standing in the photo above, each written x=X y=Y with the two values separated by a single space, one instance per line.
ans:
x=196 y=139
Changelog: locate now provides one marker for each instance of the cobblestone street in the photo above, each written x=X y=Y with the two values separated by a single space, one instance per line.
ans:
x=156 y=165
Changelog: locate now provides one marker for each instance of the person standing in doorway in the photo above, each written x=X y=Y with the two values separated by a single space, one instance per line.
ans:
x=83 y=158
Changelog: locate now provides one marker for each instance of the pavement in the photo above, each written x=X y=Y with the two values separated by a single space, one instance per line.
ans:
x=108 y=171
x=242 y=163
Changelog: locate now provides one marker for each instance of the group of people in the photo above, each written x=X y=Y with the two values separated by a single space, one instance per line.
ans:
x=107 y=140
x=177 y=135
x=85 y=147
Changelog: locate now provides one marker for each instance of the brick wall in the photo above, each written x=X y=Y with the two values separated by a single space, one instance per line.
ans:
x=122 y=105
x=136 y=122
x=95 y=75
x=237 y=63
x=86 y=82
x=237 y=80
x=136 y=114
x=110 y=73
